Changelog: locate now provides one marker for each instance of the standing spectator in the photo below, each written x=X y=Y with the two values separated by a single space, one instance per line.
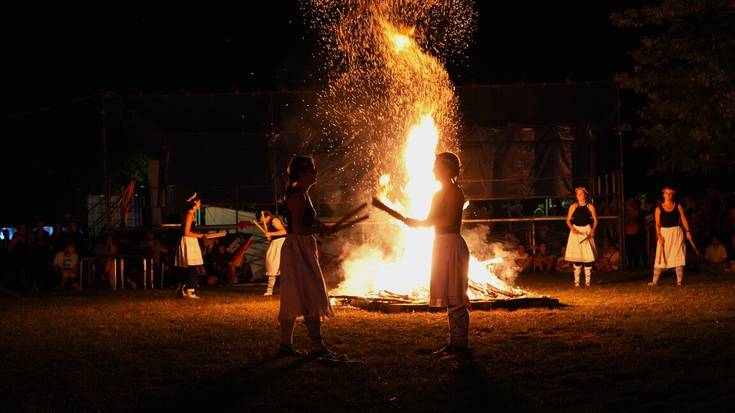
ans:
x=633 y=230
x=19 y=256
x=4 y=252
x=42 y=253
x=66 y=266
x=731 y=264
x=715 y=255
x=649 y=220
x=75 y=236
x=544 y=260
x=57 y=238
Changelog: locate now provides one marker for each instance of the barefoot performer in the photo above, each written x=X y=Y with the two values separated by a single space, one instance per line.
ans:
x=303 y=290
x=670 y=248
x=582 y=222
x=450 y=256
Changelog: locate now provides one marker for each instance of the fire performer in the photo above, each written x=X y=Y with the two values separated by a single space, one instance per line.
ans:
x=303 y=289
x=275 y=232
x=189 y=256
x=450 y=256
x=582 y=222
x=670 y=248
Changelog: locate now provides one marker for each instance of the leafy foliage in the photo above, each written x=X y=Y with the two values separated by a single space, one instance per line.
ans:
x=685 y=67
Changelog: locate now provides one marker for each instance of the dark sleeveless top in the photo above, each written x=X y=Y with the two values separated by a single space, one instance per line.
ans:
x=582 y=216
x=453 y=228
x=309 y=211
x=271 y=228
x=670 y=219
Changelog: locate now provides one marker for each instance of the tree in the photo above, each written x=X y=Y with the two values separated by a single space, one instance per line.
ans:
x=685 y=69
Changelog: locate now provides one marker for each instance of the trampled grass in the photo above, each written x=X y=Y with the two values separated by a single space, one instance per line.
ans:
x=618 y=346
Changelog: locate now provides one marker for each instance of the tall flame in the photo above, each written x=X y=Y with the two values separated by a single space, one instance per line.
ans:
x=391 y=104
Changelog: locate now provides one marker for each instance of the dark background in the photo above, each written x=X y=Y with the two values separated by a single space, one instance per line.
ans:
x=59 y=56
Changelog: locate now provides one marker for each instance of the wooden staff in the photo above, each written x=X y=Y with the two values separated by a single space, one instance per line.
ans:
x=696 y=250
x=215 y=235
x=587 y=238
x=351 y=214
x=262 y=229
x=392 y=212
x=663 y=253
x=346 y=224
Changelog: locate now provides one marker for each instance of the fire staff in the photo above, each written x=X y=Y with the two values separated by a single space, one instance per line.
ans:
x=581 y=250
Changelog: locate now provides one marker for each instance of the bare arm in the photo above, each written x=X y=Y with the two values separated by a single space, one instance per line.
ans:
x=685 y=222
x=593 y=211
x=280 y=229
x=187 y=226
x=657 y=216
x=443 y=211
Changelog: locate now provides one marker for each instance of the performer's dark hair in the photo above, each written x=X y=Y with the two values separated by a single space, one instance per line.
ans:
x=451 y=161
x=297 y=165
x=188 y=205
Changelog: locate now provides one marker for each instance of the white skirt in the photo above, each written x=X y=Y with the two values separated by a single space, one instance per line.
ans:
x=673 y=254
x=579 y=247
x=189 y=253
x=449 y=271
x=303 y=290
x=273 y=257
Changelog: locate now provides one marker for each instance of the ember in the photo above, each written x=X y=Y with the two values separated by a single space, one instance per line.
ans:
x=391 y=97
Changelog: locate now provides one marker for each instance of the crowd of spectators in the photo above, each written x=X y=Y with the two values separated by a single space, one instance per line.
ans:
x=51 y=258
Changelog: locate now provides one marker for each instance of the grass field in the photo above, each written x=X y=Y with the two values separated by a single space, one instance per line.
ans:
x=618 y=346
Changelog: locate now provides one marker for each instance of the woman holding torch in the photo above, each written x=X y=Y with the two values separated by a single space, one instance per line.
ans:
x=303 y=289
x=450 y=257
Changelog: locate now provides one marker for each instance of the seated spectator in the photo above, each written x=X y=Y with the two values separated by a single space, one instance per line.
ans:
x=523 y=260
x=563 y=265
x=218 y=266
x=715 y=255
x=544 y=260
x=66 y=266
x=609 y=259
x=151 y=247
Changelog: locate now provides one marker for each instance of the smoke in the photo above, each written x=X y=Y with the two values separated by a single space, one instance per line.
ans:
x=476 y=238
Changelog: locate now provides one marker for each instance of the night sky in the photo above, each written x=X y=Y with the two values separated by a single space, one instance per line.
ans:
x=58 y=53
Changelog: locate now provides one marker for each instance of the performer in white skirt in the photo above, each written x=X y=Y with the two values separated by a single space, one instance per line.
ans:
x=275 y=232
x=670 y=248
x=303 y=289
x=450 y=256
x=189 y=255
x=581 y=250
